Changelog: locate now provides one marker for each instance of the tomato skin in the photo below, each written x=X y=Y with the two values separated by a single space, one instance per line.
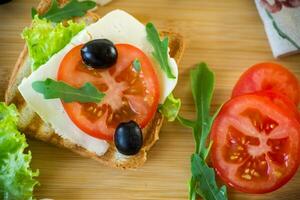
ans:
x=281 y=101
x=268 y=76
x=129 y=95
x=226 y=135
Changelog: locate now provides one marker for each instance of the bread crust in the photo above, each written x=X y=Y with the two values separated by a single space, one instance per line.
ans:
x=32 y=125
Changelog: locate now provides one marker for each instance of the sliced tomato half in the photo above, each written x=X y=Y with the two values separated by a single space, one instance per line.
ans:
x=130 y=94
x=268 y=76
x=256 y=144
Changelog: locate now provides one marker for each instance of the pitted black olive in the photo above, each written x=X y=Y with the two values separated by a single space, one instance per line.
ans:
x=128 y=138
x=99 y=54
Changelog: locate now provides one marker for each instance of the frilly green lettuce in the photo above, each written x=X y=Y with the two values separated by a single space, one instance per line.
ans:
x=170 y=108
x=16 y=178
x=45 y=38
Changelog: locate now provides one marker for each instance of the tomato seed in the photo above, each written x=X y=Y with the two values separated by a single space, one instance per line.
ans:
x=124 y=112
x=99 y=114
x=263 y=162
x=133 y=81
x=277 y=173
x=246 y=176
x=240 y=148
x=233 y=157
x=117 y=116
x=256 y=174
x=243 y=140
x=110 y=117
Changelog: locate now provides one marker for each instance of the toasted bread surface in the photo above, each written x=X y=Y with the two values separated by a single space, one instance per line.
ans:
x=32 y=125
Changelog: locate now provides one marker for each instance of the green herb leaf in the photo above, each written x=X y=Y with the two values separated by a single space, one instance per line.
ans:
x=204 y=176
x=160 y=49
x=16 y=178
x=186 y=122
x=170 y=108
x=74 y=8
x=33 y=12
x=202 y=181
x=52 y=89
x=202 y=83
x=44 y=39
x=137 y=65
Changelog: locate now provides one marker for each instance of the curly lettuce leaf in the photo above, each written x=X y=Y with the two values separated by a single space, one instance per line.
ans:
x=45 y=38
x=16 y=178
x=170 y=108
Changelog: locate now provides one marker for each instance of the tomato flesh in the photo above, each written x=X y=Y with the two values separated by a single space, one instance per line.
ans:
x=129 y=94
x=268 y=76
x=256 y=144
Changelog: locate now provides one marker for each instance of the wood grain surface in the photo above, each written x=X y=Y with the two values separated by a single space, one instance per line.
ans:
x=228 y=35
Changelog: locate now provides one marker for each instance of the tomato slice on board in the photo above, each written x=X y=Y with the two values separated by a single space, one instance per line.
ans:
x=129 y=94
x=268 y=76
x=281 y=101
x=256 y=144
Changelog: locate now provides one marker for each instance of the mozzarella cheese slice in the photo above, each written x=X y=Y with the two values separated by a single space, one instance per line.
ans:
x=117 y=26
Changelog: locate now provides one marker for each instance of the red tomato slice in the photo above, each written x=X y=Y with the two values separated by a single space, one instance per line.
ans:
x=281 y=101
x=129 y=95
x=268 y=76
x=256 y=144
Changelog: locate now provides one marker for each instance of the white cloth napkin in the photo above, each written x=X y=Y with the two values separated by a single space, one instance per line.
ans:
x=281 y=19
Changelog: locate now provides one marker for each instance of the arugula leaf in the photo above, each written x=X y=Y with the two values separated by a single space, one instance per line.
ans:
x=16 y=178
x=160 y=49
x=205 y=180
x=202 y=181
x=72 y=9
x=170 y=108
x=52 y=89
x=186 y=122
x=137 y=65
x=202 y=84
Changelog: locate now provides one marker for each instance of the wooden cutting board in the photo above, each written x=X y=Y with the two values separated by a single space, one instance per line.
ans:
x=228 y=35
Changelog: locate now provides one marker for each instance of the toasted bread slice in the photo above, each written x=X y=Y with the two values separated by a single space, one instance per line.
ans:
x=32 y=125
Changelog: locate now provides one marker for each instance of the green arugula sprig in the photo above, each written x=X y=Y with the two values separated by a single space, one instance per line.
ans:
x=57 y=13
x=137 y=65
x=160 y=52
x=52 y=89
x=171 y=106
x=202 y=182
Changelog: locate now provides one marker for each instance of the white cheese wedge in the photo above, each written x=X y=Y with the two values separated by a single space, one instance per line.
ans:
x=117 y=26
